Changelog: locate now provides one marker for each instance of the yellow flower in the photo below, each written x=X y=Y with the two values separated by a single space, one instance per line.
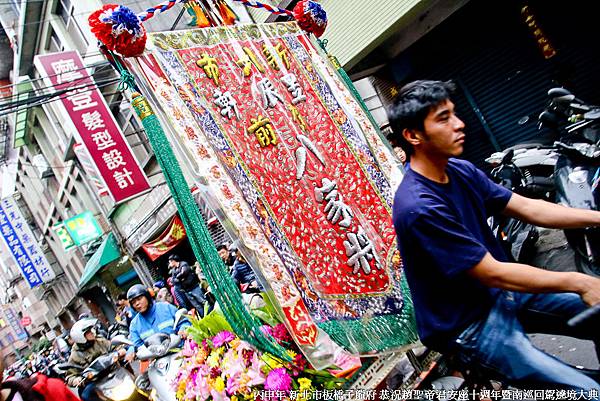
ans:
x=304 y=383
x=291 y=353
x=213 y=360
x=219 y=384
x=234 y=398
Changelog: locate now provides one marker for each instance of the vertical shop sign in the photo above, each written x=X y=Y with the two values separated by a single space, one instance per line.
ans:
x=13 y=321
x=96 y=125
x=22 y=245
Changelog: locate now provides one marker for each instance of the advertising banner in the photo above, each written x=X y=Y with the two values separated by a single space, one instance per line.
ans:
x=168 y=239
x=22 y=245
x=97 y=128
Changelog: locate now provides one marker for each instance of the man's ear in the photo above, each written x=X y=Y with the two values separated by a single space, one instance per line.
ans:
x=412 y=136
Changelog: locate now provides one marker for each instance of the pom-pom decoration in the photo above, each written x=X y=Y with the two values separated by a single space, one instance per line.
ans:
x=311 y=17
x=119 y=28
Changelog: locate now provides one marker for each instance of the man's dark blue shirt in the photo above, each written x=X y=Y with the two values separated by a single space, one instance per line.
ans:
x=443 y=232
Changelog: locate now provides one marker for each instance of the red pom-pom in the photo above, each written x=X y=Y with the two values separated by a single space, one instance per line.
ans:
x=311 y=17
x=121 y=41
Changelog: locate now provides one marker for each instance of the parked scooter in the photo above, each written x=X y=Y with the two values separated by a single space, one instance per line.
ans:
x=113 y=381
x=577 y=173
x=162 y=350
x=526 y=169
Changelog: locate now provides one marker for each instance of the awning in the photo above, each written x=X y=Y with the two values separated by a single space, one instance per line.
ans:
x=107 y=252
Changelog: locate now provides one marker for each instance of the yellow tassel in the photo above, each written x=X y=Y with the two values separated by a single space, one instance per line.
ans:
x=227 y=14
x=200 y=18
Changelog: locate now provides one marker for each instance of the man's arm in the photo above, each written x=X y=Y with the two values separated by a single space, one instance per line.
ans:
x=546 y=214
x=525 y=278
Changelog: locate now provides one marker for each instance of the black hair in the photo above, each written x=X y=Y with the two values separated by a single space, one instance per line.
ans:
x=222 y=246
x=122 y=296
x=174 y=257
x=415 y=101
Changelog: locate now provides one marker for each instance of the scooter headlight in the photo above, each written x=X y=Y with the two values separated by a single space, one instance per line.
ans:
x=122 y=391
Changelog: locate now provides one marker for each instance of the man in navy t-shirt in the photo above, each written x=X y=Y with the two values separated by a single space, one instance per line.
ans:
x=468 y=298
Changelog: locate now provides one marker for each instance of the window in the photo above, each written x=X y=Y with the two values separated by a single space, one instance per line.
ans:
x=65 y=10
x=53 y=44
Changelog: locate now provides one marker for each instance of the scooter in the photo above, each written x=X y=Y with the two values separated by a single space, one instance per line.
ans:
x=113 y=381
x=577 y=172
x=525 y=169
x=162 y=350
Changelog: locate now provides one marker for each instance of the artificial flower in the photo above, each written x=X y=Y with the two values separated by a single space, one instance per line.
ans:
x=223 y=338
x=278 y=380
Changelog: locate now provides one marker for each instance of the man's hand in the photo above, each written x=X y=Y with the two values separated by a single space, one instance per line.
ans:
x=122 y=353
x=183 y=334
x=589 y=289
x=130 y=357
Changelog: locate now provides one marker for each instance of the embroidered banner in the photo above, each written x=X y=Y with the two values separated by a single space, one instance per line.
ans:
x=294 y=165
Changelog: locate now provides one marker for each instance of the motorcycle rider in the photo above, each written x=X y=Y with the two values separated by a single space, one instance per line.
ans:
x=152 y=317
x=469 y=300
x=88 y=345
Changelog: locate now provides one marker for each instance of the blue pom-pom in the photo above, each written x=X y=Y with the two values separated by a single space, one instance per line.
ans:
x=317 y=12
x=124 y=19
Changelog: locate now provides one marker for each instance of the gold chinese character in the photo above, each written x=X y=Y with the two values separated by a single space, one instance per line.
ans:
x=178 y=232
x=210 y=67
x=282 y=52
x=271 y=60
x=297 y=117
x=262 y=128
x=247 y=61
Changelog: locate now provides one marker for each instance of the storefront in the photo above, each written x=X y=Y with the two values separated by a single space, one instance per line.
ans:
x=494 y=53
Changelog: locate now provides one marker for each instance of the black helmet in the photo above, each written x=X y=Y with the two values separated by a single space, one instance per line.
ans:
x=138 y=290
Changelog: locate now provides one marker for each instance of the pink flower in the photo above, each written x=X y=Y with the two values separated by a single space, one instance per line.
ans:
x=281 y=334
x=278 y=380
x=189 y=348
x=222 y=338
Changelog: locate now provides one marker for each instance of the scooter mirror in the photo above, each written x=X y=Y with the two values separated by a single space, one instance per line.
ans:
x=178 y=316
x=564 y=100
x=558 y=92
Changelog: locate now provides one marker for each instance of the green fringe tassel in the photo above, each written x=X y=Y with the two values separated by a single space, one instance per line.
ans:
x=226 y=292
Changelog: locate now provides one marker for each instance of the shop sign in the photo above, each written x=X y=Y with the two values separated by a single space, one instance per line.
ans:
x=26 y=321
x=22 y=245
x=14 y=323
x=169 y=239
x=83 y=228
x=99 y=132
x=63 y=235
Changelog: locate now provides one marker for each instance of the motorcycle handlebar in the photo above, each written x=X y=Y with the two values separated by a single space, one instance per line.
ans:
x=584 y=316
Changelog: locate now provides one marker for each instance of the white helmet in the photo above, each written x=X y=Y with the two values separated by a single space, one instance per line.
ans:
x=81 y=327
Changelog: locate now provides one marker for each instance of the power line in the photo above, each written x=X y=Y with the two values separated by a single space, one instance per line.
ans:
x=102 y=64
x=50 y=87
x=59 y=17
x=51 y=97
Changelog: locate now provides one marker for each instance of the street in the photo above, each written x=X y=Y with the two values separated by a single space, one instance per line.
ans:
x=554 y=254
